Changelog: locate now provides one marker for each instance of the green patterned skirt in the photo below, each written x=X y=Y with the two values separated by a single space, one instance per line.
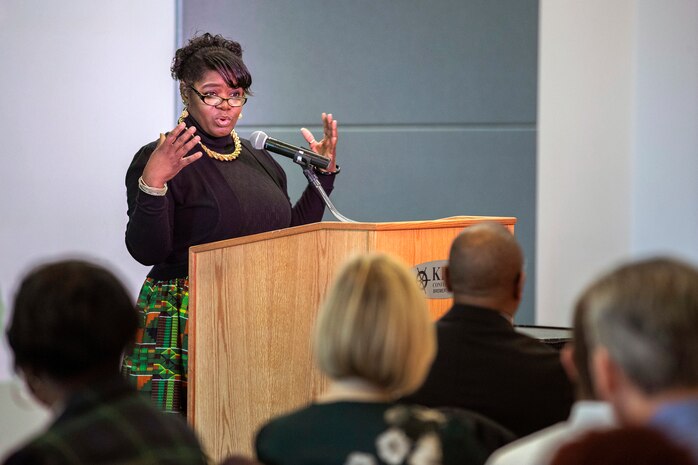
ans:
x=157 y=366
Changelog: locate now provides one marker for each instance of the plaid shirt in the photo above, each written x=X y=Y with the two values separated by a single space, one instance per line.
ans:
x=111 y=424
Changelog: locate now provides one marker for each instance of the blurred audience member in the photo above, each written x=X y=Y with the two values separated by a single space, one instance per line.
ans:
x=643 y=324
x=70 y=325
x=483 y=364
x=587 y=413
x=623 y=446
x=375 y=342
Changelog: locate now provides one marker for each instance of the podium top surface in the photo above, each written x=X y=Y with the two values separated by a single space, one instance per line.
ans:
x=450 y=222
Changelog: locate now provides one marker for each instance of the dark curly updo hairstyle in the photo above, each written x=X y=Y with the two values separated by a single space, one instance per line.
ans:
x=71 y=318
x=211 y=53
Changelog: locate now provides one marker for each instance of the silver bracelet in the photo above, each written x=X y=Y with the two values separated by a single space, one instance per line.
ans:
x=157 y=191
x=330 y=173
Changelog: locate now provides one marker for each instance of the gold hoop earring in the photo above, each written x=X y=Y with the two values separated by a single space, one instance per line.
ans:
x=183 y=115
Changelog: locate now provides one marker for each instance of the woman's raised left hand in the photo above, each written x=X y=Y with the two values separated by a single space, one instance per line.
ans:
x=328 y=145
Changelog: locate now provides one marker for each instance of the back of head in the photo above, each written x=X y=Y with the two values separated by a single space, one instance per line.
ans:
x=70 y=318
x=620 y=446
x=374 y=325
x=485 y=261
x=646 y=315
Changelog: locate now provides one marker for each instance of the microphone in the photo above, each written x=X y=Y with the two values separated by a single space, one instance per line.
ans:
x=302 y=156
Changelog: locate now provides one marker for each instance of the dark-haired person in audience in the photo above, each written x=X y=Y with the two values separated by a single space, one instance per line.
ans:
x=483 y=364
x=588 y=413
x=623 y=446
x=71 y=322
x=374 y=340
x=643 y=324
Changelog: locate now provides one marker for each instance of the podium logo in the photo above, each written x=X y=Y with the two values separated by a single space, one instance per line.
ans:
x=430 y=277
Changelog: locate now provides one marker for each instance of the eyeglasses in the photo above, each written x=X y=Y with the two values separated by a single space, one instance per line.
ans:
x=214 y=100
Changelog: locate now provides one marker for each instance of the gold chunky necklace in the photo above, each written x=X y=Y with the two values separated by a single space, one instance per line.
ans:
x=225 y=156
x=218 y=156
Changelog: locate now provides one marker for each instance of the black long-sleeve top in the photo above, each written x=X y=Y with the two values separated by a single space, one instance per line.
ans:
x=211 y=200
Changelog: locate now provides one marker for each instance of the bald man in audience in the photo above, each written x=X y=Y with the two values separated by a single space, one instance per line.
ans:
x=483 y=364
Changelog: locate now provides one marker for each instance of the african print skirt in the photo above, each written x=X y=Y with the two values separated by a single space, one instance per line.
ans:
x=157 y=366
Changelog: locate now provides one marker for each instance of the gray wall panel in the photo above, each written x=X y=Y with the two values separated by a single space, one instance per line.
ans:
x=436 y=100
x=458 y=61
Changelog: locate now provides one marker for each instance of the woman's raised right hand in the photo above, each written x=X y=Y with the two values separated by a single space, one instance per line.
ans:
x=169 y=157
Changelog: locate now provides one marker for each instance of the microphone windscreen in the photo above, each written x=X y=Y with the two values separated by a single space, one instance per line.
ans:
x=258 y=139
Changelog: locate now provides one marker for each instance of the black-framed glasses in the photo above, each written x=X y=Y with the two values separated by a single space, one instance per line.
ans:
x=214 y=100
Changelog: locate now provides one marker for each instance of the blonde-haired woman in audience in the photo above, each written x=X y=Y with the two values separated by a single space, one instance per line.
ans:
x=375 y=341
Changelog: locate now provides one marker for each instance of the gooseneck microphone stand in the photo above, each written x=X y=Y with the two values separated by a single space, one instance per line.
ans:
x=309 y=173
x=304 y=161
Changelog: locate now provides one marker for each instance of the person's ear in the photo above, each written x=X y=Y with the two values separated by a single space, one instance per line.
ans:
x=567 y=360
x=605 y=374
x=37 y=387
x=183 y=94
x=519 y=285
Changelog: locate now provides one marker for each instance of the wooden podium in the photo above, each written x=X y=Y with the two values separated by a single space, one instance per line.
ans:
x=253 y=304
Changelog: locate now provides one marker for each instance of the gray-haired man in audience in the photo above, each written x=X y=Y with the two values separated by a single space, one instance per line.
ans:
x=643 y=323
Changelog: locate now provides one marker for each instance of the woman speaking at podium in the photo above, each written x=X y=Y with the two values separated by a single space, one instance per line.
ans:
x=201 y=183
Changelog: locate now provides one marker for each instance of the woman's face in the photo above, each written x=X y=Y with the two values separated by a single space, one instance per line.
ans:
x=217 y=121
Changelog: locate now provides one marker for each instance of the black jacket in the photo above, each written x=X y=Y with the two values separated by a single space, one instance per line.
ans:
x=483 y=364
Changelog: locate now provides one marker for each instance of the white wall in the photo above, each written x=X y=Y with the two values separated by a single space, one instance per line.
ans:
x=617 y=140
x=83 y=85
x=665 y=170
